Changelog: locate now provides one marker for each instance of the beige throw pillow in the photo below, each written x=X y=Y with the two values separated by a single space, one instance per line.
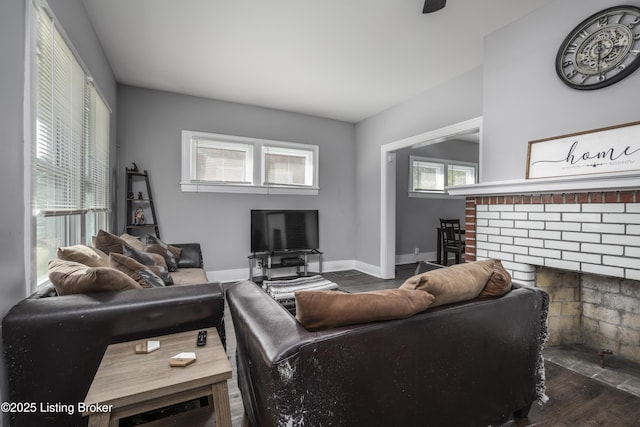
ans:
x=108 y=242
x=70 y=277
x=500 y=282
x=459 y=282
x=328 y=309
x=91 y=257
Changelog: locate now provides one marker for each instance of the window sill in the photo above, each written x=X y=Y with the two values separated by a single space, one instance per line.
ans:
x=434 y=195
x=248 y=189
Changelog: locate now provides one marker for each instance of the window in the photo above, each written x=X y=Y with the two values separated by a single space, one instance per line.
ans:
x=431 y=176
x=226 y=163
x=69 y=149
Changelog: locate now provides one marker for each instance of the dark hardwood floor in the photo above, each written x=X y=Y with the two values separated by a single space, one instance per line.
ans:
x=574 y=400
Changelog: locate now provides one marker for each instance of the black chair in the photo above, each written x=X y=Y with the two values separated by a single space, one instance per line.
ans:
x=451 y=239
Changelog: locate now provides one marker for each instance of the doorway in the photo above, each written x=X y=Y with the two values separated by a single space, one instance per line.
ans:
x=388 y=185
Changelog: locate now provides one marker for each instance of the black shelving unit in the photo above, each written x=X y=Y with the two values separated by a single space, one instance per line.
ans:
x=138 y=199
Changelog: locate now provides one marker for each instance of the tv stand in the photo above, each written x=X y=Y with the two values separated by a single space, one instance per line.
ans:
x=269 y=261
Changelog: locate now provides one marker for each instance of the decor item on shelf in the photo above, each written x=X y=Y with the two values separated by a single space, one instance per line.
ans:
x=134 y=168
x=140 y=196
x=601 y=50
x=130 y=195
x=606 y=150
x=139 y=216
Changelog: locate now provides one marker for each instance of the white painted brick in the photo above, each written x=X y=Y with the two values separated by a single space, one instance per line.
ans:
x=547 y=253
x=630 y=251
x=507 y=240
x=482 y=208
x=531 y=225
x=548 y=235
x=520 y=267
x=602 y=249
x=617 y=239
x=500 y=223
x=561 y=244
x=582 y=257
x=565 y=265
x=544 y=216
x=569 y=207
x=621 y=261
x=632 y=274
x=501 y=256
x=527 y=279
x=633 y=229
x=482 y=222
x=581 y=237
x=513 y=215
x=537 y=243
x=632 y=207
x=563 y=226
x=628 y=218
x=581 y=217
x=603 y=269
x=603 y=228
x=523 y=250
x=525 y=259
x=488 y=215
x=488 y=246
x=481 y=253
x=529 y=208
x=516 y=232
x=603 y=207
x=487 y=230
x=482 y=237
x=501 y=208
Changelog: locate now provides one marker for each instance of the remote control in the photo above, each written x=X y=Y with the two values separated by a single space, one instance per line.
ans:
x=202 y=338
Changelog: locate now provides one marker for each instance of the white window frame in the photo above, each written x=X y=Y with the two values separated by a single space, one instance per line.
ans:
x=257 y=149
x=445 y=163
x=77 y=222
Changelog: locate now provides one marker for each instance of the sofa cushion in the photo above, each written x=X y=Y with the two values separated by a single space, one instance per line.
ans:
x=169 y=258
x=155 y=262
x=153 y=240
x=91 y=257
x=459 y=282
x=328 y=309
x=108 y=242
x=70 y=277
x=499 y=283
x=189 y=276
x=138 y=272
x=132 y=241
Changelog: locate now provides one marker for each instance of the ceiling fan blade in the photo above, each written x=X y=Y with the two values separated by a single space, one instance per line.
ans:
x=433 y=5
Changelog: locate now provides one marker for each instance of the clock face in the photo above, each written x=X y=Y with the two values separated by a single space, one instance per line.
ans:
x=602 y=50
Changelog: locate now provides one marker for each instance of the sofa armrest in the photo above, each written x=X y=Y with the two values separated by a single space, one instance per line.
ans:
x=53 y=345
x=191 y=256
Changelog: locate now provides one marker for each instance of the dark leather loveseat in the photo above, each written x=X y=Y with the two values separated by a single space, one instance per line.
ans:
x=54 y=344
x=471 y=363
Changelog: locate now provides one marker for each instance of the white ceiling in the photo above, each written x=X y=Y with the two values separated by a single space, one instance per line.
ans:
x=341 y=59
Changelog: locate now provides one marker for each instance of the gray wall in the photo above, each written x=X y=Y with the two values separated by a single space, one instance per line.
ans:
x=524 y=100
x=72 y=15
x=458 y=100
x=150 y=123
x=417 y=218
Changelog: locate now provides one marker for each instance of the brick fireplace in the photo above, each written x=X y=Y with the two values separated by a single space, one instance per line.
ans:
x=583 y=247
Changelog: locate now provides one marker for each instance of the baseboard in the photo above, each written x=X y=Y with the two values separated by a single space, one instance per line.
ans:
x=412 y=258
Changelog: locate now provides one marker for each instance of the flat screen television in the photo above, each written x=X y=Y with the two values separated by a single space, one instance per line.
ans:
x=284 y=230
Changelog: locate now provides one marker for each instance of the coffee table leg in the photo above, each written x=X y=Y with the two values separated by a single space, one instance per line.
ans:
x=221 y=404
x=100 y=419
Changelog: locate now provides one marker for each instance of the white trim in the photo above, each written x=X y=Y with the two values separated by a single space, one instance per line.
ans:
x=387 y=196
x=616 y=181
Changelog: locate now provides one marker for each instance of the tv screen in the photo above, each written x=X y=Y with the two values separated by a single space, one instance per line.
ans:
x=284 y=230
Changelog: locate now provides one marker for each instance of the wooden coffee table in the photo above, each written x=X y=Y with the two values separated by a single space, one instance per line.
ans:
x=128 y=383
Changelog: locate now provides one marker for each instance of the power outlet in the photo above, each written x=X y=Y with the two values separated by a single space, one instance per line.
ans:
x=416 y=251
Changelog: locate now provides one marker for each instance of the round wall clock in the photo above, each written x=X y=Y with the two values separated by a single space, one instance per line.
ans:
x=601 y=50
